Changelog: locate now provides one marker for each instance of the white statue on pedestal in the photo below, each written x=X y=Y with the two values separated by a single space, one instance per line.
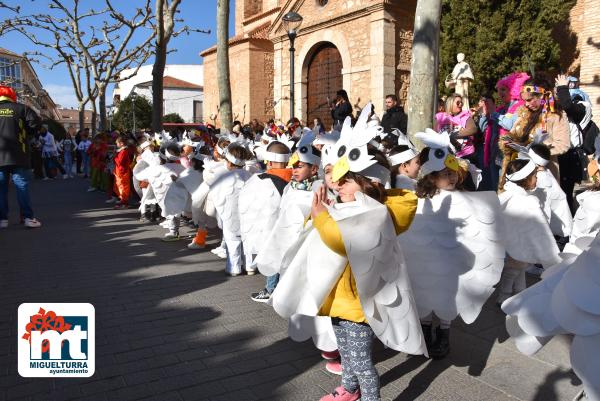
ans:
x=462 y=75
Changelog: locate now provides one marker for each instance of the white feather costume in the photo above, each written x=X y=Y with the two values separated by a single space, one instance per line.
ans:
x=312 y=270
x=554 y=203
x=224 y=194
x=186 y=195
x=293 y=210
x=454 y=253
x=259 y=207
x=586 y=223
x=147 y=159
x=566 y=301
x=528 y=235
x=160 y=179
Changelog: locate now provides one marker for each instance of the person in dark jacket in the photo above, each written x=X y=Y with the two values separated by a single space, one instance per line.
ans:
x=17 y=123
x=394 y=117
x=583 y=132
x=340 y=109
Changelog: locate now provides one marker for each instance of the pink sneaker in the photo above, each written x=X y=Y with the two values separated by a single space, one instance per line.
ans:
x=334 y=367
x=341 y=394
x=329 y=355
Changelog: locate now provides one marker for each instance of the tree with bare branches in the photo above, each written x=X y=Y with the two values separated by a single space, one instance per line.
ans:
x=94 y=53
x=165 y=29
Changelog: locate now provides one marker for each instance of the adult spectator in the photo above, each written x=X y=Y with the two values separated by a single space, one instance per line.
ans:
x=460 y=124
x=17 y=122
x=582 y=130
x=394 y=116
x=50 y=154
x=340 y=109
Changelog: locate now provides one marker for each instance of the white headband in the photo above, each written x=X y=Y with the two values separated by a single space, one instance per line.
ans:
x=219 y=150
x=275 y=157
x=523 y=173
x=168 y=156
x=537 y=159
x=145 y=144
x=402 y=157
x=378 y=173
x=233 y=160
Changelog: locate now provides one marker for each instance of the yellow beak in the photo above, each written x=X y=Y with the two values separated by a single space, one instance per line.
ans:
x=340 y=168
x=451 y=163
x=293 y=159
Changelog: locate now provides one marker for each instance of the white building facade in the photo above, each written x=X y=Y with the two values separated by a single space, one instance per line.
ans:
x=183 y=90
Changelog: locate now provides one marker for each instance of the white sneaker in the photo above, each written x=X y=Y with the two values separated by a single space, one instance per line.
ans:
x=65 y=176
x=217 y=250
x=164 y=224
x=222 y=255
x=193 y=245
x=91 y=189
x=112 y=200
x=170 y=237
x=3 y=223
x=45 y=178
x=32 y=223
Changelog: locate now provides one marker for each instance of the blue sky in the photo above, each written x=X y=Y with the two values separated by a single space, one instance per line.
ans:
x=199 y=14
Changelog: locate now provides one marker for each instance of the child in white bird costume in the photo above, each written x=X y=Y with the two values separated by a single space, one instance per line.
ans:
x=348 y=265
x=453 y=248
x=294 y=209
x=529 y=239
x=404 y=159
x=224 y=194
x=259 y=201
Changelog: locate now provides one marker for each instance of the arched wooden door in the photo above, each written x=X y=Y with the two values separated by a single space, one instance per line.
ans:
x=324 y=80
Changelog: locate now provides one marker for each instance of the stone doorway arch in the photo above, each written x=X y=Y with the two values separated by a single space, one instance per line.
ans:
x=323 y=79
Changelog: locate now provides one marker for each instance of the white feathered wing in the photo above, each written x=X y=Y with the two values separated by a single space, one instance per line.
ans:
x=528 y=236
x=378 y=267
x=554 y=203
x=259 y=206
x=293 y=211
x=454 y=253
x=566 y=301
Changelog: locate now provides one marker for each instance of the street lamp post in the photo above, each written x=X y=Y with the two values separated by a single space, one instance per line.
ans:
x=291 y=23
x=133 y=99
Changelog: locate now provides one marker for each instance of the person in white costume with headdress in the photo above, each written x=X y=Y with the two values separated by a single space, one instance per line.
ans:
x=453 y=249
x=404 y=159
x=566 y=301
x=161 y=177
x=529 y=239
x=148 y=203
x=548 y=190
x=294 y=208
x=224 y=194
x=187 y=195
x=348 y=265
x=259 y=202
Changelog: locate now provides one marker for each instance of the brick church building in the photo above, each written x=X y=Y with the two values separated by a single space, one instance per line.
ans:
x=362 y=46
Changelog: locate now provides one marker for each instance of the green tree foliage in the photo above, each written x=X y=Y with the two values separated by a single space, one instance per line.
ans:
x=172 y=118
x=123 y=119
x=501 y=36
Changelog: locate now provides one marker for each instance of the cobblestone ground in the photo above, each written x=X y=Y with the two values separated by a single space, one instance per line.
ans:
x=171 y=326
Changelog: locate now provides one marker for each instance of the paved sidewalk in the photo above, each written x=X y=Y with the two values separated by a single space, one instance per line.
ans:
x=171 y=326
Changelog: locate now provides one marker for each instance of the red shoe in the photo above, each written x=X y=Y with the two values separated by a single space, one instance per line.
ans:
x=329 y=355
x=334 y=367
x=341 y=394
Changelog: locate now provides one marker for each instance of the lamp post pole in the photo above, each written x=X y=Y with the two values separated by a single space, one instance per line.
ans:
x=133 y=101
x=292 y=21
x=292 y=36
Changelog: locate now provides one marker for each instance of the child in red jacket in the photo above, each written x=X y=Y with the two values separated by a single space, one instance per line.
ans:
x=122 y=173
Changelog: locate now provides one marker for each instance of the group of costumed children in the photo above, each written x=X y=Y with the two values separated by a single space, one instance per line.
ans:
x=358 y=241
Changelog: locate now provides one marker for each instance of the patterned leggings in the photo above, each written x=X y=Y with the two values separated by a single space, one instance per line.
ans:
x=355 y=341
